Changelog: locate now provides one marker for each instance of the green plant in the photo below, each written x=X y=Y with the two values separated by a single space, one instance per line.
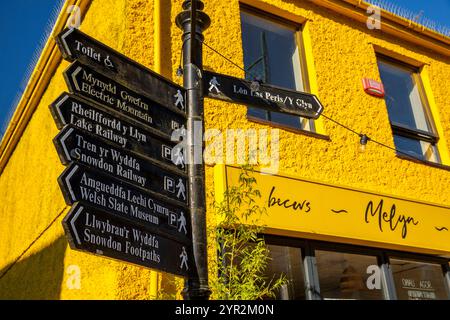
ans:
x=242 y=252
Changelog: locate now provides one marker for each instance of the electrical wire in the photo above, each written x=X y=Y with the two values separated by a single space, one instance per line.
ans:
x=255 y=77
x=323 y=115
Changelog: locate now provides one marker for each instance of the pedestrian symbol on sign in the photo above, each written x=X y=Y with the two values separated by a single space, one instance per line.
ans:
x=184 y=259
x=180 y=100
x=182 y=221
x=181 y=189
x=214 y=84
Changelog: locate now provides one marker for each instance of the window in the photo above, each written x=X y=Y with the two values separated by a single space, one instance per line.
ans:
x=287 y=261
x=331 y=271
x=411 y=121
x=347 y=276
x=418 y=280
x=272 y=55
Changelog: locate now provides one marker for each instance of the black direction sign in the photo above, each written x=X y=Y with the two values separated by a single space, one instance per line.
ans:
x=75 y=45
x=74 y=145
x=98 y=232
x=268 y=97
x=68 y=109
x=85 y=81
x=164 y=216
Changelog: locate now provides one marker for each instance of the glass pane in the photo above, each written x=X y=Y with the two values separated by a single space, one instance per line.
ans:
x=402 y=97
x=271 y=54
x=346 y=276
x=287 y=261
x=416 y=148
x=257 y=113
x=285 y=119
x=418 y=281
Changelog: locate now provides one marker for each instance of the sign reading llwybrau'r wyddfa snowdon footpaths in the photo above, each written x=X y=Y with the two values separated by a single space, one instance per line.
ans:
x=125 y=179
x=98 y=232
x=263 y=96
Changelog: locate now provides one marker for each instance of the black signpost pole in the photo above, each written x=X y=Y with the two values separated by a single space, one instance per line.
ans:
x=193 y=18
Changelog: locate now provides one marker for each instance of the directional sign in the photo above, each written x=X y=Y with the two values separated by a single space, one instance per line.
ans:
x=85 y=81
x=263 y=96
x=68 y=109
x=74 y=145
x=98 y=232
x=95 y=189
x=75 y=45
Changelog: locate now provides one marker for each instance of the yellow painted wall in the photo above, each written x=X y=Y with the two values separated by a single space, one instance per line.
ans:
x=342 y=52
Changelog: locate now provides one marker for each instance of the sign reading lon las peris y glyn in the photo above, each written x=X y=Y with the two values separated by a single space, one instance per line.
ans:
x=125 y=180
x=223 y=87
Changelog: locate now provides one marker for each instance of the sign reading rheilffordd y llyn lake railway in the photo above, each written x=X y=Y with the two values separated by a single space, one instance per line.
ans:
x=125 y=180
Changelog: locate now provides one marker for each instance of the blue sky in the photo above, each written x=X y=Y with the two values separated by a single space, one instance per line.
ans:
x=23 y=24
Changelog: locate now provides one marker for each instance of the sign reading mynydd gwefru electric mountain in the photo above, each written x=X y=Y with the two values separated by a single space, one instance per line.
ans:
x=83 y=80
x=99 y=232
x=75 y=45
x=125 y=178
x=124 y=133
x=76 y=146
x=263 y=96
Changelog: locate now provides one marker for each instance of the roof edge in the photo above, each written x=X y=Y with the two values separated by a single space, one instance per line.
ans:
x=38 y=81
x=391 y=24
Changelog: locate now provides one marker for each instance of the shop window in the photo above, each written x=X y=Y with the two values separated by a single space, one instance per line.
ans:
x=411 y=121
x=418 y=280
x=344 y=276
x=272 y=55
x=287 y=261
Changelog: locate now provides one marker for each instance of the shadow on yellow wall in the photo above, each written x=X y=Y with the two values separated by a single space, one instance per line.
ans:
x=38 y=276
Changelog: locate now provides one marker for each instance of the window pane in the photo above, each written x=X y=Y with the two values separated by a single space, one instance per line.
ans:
x=402 y=97
x=348 y=276
x=257 y=113
x=271 y=54
x=287 y=261
x=416 y=148
x=418 y=281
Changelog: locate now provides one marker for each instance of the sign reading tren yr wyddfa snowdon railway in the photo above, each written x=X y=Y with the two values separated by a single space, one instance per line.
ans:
x=125 y=180
x=263 y=96
x=73 y=145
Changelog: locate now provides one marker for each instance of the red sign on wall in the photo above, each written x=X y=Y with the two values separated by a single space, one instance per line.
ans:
x=373 y=87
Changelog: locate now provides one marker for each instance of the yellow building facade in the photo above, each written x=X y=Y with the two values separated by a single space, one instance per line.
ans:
x=373 y=216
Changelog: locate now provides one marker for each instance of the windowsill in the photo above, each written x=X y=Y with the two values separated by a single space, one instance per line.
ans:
x=288 y=128
x=425 y=162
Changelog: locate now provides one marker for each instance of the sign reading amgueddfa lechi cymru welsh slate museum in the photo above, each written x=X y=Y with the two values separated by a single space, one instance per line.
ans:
x=125 y=179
